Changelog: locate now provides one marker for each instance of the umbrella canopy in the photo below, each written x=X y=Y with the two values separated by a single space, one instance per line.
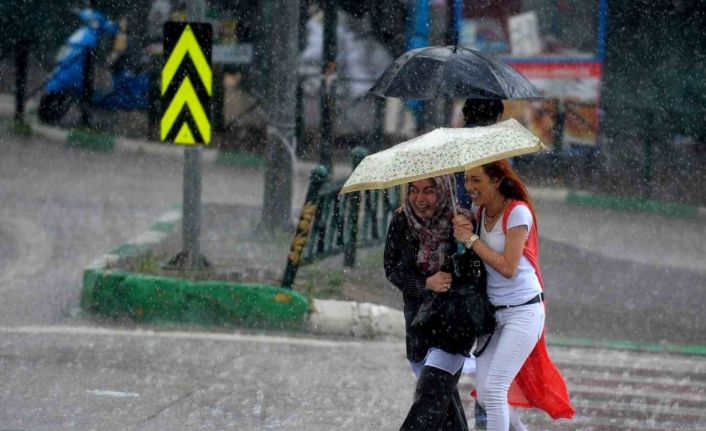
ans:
x=441 y=151
x=449 y=72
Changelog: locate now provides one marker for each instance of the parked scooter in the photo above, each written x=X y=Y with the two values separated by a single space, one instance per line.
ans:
x=65 y=84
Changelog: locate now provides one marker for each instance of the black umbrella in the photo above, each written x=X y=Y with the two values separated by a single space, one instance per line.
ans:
x=449 y=72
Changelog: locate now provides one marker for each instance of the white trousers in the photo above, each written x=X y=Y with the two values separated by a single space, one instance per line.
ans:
x=518 y=330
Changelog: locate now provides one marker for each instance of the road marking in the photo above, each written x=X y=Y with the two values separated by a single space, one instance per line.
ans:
x=645 y=392
x=616 y=390
x=615 y=406
x=626 y=359
x=640 y=380
x=117 y=394
x=141 y=333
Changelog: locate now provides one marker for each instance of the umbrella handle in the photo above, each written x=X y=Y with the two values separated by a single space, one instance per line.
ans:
x=460 y=247
x=452 y=188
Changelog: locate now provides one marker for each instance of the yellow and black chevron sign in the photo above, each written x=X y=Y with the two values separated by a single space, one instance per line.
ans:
x=187 y=83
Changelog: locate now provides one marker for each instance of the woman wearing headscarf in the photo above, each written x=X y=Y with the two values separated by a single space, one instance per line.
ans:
x=418 y=258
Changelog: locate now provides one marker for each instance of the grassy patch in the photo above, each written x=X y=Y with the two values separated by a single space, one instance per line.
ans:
x=21 y=129
x=322 y=283
x=633 y=204
x=152 y=264
x=239 y=158
x=90 y=140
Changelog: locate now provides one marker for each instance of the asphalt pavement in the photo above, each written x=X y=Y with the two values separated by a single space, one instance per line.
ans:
x=115 y=378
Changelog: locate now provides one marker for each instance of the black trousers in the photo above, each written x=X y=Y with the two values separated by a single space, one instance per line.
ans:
x=437 y=403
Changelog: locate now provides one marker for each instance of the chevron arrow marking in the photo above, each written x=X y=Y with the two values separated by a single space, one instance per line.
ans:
x=186 y=95
x=187 y=44
x=185 y=136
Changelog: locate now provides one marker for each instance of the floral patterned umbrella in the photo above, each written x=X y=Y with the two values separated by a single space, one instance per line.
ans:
x=442 y=151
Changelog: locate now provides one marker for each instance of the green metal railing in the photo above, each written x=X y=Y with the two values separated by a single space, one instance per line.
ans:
x=331 y=224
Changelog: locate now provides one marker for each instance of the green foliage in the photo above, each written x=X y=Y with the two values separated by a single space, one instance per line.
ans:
x=42 y=23
x=654 y=68
x=239 y=158
x=45 y=24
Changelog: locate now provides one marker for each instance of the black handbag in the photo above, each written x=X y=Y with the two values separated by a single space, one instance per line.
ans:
x=455 y=319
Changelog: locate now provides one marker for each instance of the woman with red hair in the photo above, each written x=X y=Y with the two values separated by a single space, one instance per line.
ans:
x=515 y=365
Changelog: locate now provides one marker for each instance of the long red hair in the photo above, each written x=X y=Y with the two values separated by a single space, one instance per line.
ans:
x=511 y=186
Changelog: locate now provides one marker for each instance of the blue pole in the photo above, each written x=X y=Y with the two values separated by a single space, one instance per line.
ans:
x=417 y=36
x=418 y=25
x=602 y=27
x=457 y=18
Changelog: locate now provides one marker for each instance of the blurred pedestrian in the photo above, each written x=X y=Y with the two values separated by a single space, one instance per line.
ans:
x=516 y=353
x=418 y=260
x=477 y=112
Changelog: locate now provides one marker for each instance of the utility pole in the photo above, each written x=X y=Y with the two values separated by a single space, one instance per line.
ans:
x=21 y=60
x=191 y=221
x=328 y=80
x=300 y=122
x=281 y=113
x=87 y=90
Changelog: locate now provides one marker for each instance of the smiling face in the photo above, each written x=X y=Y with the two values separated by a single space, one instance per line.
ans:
x=480 y=186
x=423 y=197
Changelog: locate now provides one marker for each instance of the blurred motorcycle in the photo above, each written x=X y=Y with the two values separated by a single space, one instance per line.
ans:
x=64 y=86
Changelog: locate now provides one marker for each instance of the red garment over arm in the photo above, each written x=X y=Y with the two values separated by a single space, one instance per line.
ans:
x=539 y=383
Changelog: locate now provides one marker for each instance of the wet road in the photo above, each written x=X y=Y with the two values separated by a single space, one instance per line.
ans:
x=86 y=378
x=623 y=276
x=61 y=208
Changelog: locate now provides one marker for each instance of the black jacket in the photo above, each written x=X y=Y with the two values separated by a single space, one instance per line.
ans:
x=400 y=262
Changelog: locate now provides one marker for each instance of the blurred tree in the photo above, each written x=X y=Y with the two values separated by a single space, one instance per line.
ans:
x=653 y=93
x=387 y=19
x=47 y=24
x=654 y=68
x=43 y=24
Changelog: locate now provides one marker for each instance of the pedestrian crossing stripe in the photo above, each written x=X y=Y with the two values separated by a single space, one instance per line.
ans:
x=187 y=83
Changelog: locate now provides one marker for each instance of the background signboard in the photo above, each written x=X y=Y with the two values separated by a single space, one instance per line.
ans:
x=573 y=88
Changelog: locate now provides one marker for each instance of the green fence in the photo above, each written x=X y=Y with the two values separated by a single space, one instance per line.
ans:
x=332 y=224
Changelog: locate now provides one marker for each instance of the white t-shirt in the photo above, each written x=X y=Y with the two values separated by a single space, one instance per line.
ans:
x=525 y=284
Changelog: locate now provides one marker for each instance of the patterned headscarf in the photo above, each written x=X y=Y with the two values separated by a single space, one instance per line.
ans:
x=433 y=234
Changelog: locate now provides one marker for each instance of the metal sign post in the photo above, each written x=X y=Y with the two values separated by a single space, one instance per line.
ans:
x=186 y=91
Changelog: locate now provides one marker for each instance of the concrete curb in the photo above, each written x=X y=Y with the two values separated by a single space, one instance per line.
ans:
x=355 y=319
x=142 y=297
x=90 y=140
x=680 y=349
x=618 y=203
x=57 y=134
